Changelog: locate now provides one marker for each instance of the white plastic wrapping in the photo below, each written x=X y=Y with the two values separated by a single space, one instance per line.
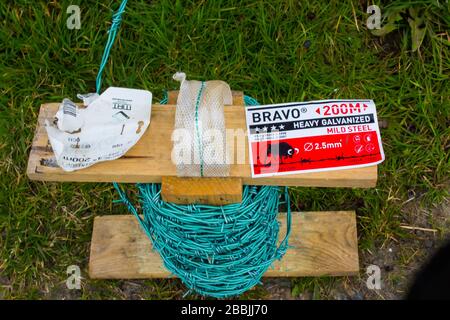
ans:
x=104 y=130
x=200 y=124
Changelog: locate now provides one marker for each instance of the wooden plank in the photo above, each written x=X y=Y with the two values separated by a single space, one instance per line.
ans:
x=324 y=244
x=150 y=158
x=212 y=191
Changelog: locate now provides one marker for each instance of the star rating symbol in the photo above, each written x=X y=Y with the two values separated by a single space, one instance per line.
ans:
x=266 y=128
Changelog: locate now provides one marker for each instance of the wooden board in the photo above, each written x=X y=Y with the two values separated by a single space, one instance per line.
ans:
x=212 y=191
x=150 y=159
x=324 y=244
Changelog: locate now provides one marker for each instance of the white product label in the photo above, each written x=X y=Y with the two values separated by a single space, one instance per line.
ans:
x=105 y=130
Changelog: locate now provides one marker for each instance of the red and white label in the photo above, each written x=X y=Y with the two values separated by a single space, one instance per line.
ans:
x=313 y=136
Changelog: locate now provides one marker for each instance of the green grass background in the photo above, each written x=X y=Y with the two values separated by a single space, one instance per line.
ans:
x=258 y=47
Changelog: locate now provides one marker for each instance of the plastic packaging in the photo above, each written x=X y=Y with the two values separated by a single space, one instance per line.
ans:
x=200 y=125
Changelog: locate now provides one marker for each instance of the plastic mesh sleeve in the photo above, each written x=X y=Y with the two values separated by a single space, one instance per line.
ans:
x=200 y=133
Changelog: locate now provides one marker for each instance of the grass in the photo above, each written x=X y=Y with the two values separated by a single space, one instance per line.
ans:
x=258 y=47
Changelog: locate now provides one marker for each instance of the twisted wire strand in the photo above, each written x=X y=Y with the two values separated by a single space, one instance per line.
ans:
x=116 y=21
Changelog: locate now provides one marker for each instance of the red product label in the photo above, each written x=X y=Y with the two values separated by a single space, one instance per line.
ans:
x=313 y=136
x=317 y=152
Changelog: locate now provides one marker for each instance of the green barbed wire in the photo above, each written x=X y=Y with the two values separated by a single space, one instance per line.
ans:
x=217 y=251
